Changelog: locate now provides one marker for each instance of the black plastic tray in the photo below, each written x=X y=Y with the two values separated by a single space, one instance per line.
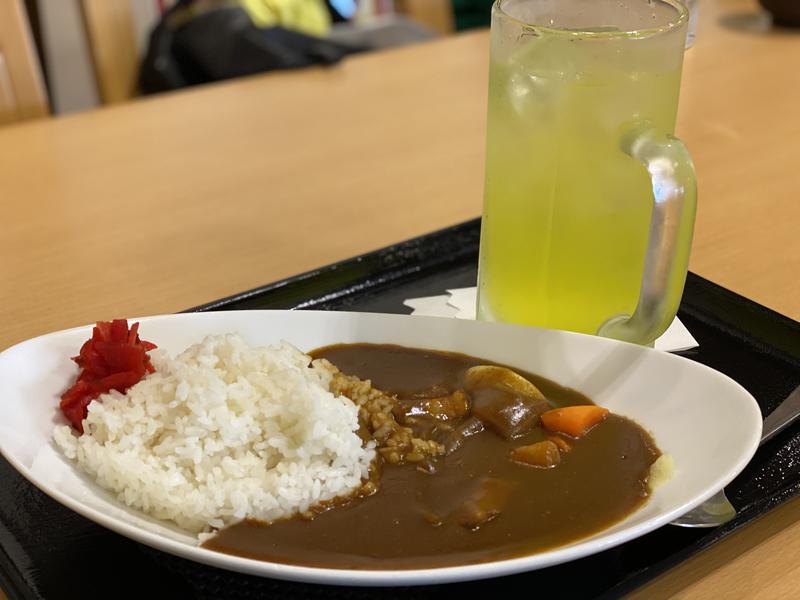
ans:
x=47 y=551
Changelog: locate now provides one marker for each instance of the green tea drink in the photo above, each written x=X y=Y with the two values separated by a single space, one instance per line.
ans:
x=566 y=211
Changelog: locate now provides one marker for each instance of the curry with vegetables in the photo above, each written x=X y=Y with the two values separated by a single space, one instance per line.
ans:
x=478 y=462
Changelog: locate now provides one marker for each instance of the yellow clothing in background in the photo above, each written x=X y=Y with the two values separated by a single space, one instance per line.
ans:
x=307 y=16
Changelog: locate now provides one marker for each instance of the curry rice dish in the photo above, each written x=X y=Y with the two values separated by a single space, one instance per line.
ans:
x=358 y=456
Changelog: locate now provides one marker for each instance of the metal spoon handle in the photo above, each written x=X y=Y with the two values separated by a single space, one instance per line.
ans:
x=779 y=419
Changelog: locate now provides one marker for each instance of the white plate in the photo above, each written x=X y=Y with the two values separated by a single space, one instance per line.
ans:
x=706 y=421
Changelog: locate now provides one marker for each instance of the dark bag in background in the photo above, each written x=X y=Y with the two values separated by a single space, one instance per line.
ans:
x=223 y=43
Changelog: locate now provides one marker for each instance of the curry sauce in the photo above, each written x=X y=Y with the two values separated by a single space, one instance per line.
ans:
x=415 y=519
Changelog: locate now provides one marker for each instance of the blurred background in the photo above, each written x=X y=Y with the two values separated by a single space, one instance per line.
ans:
x=94 y=52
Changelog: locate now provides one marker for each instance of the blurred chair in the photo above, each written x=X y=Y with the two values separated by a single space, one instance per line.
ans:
x=437 y=15
x=113 y=48
x=413 y=21
x=22 y=90
x=115 y=54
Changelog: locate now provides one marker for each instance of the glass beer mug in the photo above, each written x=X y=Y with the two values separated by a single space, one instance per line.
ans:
x=589 y=200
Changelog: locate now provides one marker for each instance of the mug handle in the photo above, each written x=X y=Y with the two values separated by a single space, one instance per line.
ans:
x=671 y=224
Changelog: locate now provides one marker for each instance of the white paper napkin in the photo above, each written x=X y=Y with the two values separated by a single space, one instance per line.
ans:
x=461 y=304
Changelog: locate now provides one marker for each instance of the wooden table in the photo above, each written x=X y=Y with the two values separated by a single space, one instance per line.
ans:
x=166 y=203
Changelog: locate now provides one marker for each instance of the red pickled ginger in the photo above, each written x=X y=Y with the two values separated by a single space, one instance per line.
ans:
x=113 y=359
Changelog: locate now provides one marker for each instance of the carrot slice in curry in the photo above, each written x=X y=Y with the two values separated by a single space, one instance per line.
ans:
x=563 y=445
x=574 y=421
x=543 y=455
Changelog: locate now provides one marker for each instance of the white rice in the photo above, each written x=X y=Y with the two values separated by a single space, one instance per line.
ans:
x=221 y=433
